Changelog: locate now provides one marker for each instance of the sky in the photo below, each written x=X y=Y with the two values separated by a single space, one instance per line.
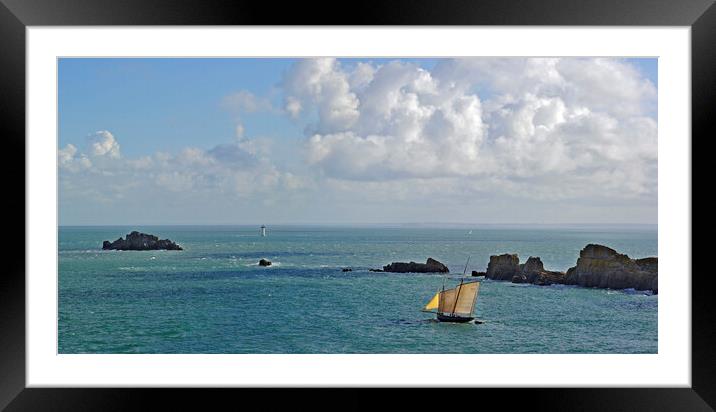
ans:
x=357 y=141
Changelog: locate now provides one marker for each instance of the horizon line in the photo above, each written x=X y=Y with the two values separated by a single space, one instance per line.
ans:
x=364 y=224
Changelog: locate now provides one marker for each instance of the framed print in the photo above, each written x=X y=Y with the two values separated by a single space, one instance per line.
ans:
x=473 y=195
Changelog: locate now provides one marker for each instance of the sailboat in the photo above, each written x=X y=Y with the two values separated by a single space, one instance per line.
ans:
x=456 y=304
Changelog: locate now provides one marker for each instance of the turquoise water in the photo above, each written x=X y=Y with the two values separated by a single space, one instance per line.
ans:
x=214 y=298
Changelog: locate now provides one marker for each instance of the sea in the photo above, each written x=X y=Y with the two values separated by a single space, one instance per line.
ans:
x=214 y=298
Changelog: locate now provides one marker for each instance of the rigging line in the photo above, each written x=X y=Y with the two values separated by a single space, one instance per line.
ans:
x=474 y=298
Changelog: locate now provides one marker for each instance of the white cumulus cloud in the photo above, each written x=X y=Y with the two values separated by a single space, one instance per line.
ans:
x=483 y=120
x=70 y=160
x=103 y=143
x=233 y=170
x=321 y=82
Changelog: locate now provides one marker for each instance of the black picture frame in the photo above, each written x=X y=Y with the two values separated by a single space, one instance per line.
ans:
x=15 y=15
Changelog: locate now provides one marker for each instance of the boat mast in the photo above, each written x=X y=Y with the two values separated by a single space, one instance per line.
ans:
x=457 y=297
x=441 y=294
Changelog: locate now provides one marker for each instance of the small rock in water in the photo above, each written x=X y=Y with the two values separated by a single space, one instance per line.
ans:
x=347 y=270
x=264 y=262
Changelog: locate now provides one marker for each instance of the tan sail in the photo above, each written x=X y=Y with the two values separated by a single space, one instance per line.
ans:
x=459 y=300
x=447 y=300
x=466 y=298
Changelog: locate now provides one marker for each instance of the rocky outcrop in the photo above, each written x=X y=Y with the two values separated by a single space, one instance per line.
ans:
x=476 y=273
x=650 y=264
x=602 y=267
x=140 y=241
x=548 y=277
x=519 y=279
x=503 y=267
x=430 y=266
x=532 y=271
x=508 y=267
x=597 y=266
x=532 y=265
x=264 y=262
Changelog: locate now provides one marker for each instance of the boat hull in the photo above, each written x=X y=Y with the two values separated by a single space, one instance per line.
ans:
x=454 y=319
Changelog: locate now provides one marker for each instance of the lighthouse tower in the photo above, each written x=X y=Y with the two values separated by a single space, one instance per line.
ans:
x=263 y=231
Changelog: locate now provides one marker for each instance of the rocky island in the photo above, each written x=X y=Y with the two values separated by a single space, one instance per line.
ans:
x=602 y=267
x=508 y=267
x=430 y=266
x=140 y=241
x=597 y=266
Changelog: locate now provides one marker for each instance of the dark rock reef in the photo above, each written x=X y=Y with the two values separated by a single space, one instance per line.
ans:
x=430 y=266
x=532 y=271
x=264 y=262
x=597 y=266
x=140 y=241
x=508 y=267
x=602 y=267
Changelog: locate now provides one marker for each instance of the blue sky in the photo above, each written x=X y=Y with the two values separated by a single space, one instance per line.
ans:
x=230 y=119
x=168 y=104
